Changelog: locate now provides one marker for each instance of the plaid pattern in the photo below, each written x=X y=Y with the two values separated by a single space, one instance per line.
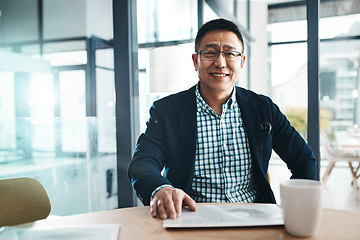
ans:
x=223 y=161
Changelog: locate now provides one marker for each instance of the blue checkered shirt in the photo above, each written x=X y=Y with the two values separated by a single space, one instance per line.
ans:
x=223 y=161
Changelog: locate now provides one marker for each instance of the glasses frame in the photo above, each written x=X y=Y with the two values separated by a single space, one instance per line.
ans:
x=238 y=54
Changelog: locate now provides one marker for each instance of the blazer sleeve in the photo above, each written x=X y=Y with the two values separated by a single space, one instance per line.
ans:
x=144 y=171
x=279 y=136
x=168 y=144
x=291 y=147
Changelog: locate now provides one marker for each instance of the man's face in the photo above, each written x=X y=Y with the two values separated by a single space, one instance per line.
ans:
x=219 y=75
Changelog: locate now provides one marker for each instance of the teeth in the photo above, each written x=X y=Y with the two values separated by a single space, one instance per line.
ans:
x=219 y=75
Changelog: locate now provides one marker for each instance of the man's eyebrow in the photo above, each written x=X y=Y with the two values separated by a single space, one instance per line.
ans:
x=214 y=45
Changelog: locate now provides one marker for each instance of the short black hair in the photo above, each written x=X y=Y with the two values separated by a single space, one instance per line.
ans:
x=217 y=24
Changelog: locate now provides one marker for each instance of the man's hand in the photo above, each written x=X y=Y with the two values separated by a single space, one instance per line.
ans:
x=168 y=203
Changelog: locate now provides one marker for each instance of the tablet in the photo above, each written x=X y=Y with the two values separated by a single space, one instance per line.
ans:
x=228 y=215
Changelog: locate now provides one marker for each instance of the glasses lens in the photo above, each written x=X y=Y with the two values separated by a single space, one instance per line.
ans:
x=231 y=54
x=212 y=55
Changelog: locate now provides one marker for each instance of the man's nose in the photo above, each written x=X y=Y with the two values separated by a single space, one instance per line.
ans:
x=220 y=61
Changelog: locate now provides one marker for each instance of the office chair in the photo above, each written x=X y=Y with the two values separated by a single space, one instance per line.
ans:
x=334 y=155
x=22 y=200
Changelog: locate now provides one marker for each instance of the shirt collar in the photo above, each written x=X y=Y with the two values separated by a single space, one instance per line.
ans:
x=201 y=102
x=229 y=103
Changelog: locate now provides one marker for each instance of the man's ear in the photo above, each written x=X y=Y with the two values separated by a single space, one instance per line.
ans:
x=195 y=61
x=242 y=62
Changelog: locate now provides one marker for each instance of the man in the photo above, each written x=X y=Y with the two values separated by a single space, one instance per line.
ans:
x=214 y=141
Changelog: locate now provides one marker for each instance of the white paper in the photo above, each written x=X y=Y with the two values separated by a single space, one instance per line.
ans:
x=228 y=215
x=93 y=232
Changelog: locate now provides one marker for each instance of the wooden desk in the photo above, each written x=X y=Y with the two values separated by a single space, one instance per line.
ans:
x=136 y=223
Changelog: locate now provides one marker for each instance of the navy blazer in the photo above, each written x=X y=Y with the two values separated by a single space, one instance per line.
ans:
x=169 y=143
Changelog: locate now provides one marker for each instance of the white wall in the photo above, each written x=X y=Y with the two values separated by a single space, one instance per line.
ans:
x=99 y=18
x=18 y=21
x=259 y=48
x=75 y=18
x=61 y=19
x=64 y=19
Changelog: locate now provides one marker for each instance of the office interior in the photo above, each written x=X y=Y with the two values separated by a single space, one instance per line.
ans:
x=77 y=81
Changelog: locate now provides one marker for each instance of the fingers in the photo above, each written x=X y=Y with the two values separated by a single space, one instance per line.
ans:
x=178 y=203
x=163 y=204
x=159 y=203
x=153 y=208
x=184 y=201
x=164 y=209
x=168 y=203
x=189 y=202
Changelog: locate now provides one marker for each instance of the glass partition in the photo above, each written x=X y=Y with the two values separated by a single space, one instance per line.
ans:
x=338 y=78
x=289 y=82
x=339 y=81
x=163 y=20
x=77 y=181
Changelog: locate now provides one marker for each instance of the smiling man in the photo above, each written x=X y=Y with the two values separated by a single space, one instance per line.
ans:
x=214 y=141
x=218 y=75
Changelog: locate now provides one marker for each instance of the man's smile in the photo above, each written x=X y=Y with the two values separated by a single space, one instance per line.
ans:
x=219 y=74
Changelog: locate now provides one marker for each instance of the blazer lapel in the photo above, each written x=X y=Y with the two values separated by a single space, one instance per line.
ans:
x=188 y=125
x=252 y=122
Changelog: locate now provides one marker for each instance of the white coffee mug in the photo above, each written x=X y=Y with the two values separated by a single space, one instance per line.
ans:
x=301 y=201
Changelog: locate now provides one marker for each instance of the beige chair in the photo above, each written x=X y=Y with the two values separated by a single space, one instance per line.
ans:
x=22 y=200
x=334 y=155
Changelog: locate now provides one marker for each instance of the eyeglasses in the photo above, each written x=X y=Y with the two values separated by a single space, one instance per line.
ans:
x=211 y=55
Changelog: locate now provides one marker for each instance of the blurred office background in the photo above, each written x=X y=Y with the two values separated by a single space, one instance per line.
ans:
x=77 y=78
